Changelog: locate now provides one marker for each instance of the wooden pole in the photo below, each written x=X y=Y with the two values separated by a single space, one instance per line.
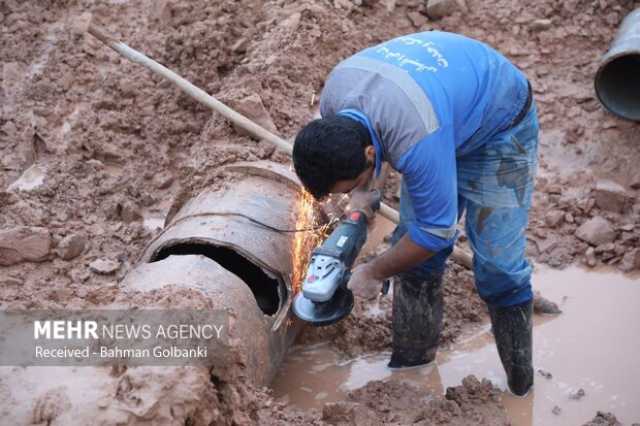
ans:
x=238 y=119
x=191 y=90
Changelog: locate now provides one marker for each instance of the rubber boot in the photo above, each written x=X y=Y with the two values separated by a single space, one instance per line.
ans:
x=512 y=327
x=417 y=319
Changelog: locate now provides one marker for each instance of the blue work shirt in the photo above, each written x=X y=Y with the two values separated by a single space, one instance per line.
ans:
x=427 y=99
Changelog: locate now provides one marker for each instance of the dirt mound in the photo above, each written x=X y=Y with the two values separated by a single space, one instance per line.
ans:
x=395 y=403
x=603 y=419
x=369 y=328
x=131 y=396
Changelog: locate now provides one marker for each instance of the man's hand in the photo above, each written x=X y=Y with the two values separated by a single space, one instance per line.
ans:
x=364 y=283
x=363 y=200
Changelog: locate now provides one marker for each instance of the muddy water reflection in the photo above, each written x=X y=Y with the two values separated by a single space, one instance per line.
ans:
x=593 y=345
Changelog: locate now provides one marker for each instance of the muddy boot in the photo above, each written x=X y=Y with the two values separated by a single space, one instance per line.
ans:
x=417 y=319
x=512 y=328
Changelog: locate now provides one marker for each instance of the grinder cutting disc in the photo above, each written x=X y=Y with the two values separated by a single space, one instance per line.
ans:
x=324 y=313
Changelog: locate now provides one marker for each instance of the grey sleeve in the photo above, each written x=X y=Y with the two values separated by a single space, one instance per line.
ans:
x=396 y=106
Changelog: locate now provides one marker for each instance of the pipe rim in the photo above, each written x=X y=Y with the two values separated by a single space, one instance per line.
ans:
x=598 y=83
x=284 y=285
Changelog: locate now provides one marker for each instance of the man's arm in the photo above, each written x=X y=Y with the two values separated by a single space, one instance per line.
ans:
x=429 y=171
x=366 y=279
x=401 y=257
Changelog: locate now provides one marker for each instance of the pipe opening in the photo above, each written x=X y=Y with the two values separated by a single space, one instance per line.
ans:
x=618 y=86
x=263 y=287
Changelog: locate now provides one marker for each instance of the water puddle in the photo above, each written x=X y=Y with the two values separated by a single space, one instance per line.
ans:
x=593 y=345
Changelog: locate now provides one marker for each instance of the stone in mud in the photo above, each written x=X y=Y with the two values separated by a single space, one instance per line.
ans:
x=568 y=217
x=24 y=244
x=612 y=196
x=390 y=5
x=590 y=257
x=542 y=305
x=577 y=395
x=586 y=204
x=541 y=24
x=540 y=233
x=634 y=183
x=252 y=107
x=12 y=75
x=51 y=405
x=417 y=19
x=265 y=150
x=71 y=246
x=603 y=419
x=547 y=375
x=627 y=227
x=438 y=9
x=124 y=210
x=79 y=25
x=554 y=218
x=130 y=212
x=104 y=266
x=630 y=261
x=554 y=189
x=351 y=413
x=365 y=3
x=604 y=248
x=31 y=180
x=240 y=46
x=163 y=180
x=596 y=231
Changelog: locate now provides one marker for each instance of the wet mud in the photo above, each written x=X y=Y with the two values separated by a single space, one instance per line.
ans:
x=95 y=153
x=584 y=359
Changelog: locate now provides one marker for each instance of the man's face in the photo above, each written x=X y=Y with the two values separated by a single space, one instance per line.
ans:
x=362 y=180
x=348 y=185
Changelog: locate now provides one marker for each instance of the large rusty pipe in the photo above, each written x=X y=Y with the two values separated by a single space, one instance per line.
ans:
x=227 y=245
x=617 y=81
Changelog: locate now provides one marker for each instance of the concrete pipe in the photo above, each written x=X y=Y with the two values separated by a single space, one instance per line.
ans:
x=216 y=245
x=617 y=81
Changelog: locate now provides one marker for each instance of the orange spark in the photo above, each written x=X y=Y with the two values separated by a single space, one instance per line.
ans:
x=304 y=242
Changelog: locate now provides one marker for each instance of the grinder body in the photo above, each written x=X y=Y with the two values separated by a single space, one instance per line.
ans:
x=325 y=298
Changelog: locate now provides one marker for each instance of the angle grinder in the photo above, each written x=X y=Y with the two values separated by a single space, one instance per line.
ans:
x=325 y=298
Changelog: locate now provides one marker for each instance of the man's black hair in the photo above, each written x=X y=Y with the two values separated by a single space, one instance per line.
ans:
x=328 y=150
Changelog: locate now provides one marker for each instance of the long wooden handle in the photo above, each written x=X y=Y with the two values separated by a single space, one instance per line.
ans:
x=238 y=119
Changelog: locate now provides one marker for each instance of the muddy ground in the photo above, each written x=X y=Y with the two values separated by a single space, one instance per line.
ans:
x=94 y=148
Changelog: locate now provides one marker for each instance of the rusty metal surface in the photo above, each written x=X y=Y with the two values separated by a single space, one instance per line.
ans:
x=228 y=218
x=225 y=291
x=616 y=83
x=263 y=192
x=268 y=169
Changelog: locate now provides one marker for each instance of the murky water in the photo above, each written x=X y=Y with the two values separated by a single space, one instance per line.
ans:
x=593 y=345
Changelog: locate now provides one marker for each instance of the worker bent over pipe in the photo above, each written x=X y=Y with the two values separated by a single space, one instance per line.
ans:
x=458 y=121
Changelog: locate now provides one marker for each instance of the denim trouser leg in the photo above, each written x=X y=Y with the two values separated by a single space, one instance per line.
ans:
x=495 y=186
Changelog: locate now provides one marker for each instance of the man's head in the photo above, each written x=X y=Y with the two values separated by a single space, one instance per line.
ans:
x=332 y=155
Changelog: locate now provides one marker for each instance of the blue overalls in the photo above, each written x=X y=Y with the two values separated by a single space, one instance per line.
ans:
x=456 y=119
